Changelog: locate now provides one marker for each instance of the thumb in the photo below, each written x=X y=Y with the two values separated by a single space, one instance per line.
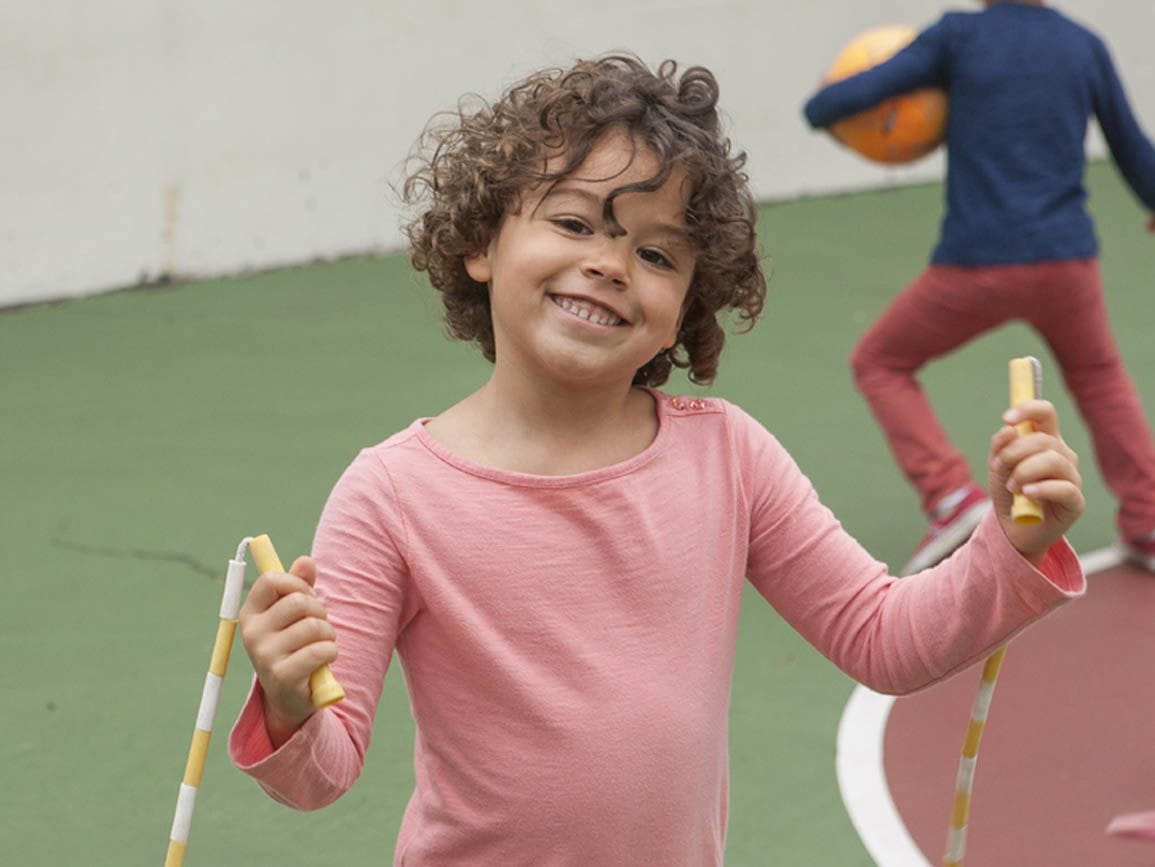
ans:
x=304 y=568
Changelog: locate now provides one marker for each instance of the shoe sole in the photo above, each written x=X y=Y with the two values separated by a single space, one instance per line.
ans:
x=1136 y=557
x=948 y=541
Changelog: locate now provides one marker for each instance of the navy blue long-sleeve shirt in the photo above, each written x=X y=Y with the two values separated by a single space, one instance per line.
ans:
x=1022 y=81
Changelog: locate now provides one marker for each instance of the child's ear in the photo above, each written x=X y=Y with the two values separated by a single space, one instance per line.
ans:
x=477 y=267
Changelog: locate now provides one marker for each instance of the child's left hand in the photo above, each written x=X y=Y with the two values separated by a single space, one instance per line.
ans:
x=1041 y=466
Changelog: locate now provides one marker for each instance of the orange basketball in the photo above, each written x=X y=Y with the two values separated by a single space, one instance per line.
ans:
x=902 y=129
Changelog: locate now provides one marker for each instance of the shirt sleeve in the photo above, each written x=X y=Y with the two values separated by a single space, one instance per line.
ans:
x=920 y=64
x=893 y=635
x=363 y=579
x=1132 y=150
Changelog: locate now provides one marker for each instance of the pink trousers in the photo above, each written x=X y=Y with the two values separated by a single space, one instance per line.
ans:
x=948 y=305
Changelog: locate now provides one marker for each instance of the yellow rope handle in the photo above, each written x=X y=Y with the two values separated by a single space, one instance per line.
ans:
x=325 y=688
x=1026 y=384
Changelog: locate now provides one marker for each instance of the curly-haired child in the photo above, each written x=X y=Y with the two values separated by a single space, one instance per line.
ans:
x=558 y=560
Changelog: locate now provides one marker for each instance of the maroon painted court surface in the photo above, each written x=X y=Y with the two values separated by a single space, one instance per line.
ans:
x=1069 y=743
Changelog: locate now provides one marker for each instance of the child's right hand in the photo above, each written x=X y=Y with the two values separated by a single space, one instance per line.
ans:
x=286 y=632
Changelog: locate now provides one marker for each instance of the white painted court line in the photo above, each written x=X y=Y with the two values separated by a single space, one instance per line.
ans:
x=862 y=776
x=1099 y=560
x=862 y=780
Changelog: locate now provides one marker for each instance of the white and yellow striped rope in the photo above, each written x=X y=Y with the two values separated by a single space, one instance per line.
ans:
x=218 y=667
x=964 y=783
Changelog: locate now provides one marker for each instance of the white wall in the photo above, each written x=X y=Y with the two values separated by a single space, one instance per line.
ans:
x=199 y=137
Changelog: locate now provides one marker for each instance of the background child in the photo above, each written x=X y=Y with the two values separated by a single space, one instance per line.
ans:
x=558 y=559
x=1016 y=243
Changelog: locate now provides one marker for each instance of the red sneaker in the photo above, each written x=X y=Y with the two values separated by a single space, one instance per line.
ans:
x=949 y=529
x=1140 y=551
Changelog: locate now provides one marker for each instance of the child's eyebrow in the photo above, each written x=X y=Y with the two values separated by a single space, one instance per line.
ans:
x=560 y=190
x=678 y=234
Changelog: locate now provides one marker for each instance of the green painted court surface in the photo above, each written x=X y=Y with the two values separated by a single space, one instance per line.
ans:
x=146 y=432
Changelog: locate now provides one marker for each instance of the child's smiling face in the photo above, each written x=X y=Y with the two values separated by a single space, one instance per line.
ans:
x=581 y=299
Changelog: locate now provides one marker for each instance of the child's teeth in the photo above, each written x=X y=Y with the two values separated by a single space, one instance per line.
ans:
x=587 y=312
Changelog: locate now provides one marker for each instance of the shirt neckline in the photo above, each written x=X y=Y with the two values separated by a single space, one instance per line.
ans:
x=512 y=477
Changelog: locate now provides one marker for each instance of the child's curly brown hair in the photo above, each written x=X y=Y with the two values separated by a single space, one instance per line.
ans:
x=475 y=162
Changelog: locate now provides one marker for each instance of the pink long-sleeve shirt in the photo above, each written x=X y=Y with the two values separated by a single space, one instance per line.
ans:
x=568 y=641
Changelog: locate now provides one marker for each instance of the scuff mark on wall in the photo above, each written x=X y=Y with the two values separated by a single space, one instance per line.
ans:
x=171 y=217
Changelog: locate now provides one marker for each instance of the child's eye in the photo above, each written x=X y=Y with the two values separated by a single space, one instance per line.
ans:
x=655 y=257
x=573 y=225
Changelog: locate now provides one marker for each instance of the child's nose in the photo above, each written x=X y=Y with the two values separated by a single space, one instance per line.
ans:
x=606 y=263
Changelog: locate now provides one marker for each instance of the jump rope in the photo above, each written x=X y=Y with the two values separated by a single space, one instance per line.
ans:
x=324 y=687
x=1025 y=384
x=1026 y=380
